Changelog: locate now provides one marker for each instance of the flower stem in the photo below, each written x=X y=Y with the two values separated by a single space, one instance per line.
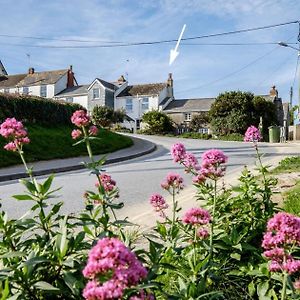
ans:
x=88 y=145
x=212 y=222
x=283 y=291
x=28 y=170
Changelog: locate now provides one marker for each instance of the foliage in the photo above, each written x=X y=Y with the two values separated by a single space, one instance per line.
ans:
x=291 y=202
x=199 y=120
x=105 y=116
x=32 y=109
x=50 y=142
x=196 y=135
x=235 y=111
x=157 y=122
x=292 y=113
x=211 y=253
x=287 y=165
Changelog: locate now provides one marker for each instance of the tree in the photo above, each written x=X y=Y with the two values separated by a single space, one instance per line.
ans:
x=199 y=120
x=106 y=116
x=235 y=111
x=157 y=122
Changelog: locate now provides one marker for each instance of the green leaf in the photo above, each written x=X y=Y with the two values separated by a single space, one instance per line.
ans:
x=14 y=297
x=251 y=288
x=47 y=183
x=35 y=260
x=13 y=254
x=262 y=289
x=43 y=285
x=5 y=291
x=236 y=256
x=29 y=185
x=23 y=197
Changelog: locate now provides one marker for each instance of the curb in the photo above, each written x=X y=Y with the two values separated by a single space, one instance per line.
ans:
x=76 y=167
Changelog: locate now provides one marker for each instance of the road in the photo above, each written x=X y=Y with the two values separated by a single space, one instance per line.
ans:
x=137 y=179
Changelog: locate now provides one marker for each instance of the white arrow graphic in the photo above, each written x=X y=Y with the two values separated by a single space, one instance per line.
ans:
x=174 y=53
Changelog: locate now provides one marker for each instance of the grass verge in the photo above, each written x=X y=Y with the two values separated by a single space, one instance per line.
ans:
x=288 y=165
x=291 y=202
x=56 y=142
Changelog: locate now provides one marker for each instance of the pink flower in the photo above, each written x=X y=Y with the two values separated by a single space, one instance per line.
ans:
x=178 y=152
x=190 y=162
x=80 y=118
x=252 y=135
x=10 y=147
x=202 y=233
x=76 y=133
x=107 y=182
x=142 y=296
x=199 y=178
x=297 y=284
x=213 y=157
x=196 y=216
x=159 y=203
x=12 y=129
x=291 y=266
x=172 y=180
x=93 y=130
x=112 y=260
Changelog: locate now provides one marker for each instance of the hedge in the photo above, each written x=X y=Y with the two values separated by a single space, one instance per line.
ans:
x=32 y=109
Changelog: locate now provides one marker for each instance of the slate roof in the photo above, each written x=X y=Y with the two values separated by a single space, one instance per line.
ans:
x=107 y=84
x=37 y=78
x=142 y=89
x=11 y=80
x=73 y=91
x=189 y=105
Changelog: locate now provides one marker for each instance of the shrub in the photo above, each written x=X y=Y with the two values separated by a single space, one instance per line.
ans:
x=157 y=122
x=38 y=110
x=106 y=116
x=199 y=121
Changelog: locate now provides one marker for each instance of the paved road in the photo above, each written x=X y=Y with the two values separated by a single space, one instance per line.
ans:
x=139 y=178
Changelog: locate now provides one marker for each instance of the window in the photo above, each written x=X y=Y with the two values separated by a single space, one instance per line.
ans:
x=203 y=130
x=6 y=91
x=96 y=93
x=128 y=106
x=145 y=103
x=69 y=99
x=187 y=117
x=43 y=91
x=25 y=90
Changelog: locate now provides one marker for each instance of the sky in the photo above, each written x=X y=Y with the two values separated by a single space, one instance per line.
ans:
x=201 y=70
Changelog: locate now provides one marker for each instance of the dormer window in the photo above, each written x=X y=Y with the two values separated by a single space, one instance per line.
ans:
x=96 y=93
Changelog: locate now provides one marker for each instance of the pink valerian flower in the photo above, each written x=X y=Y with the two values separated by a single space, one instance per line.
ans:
x=93 y=130
x=213 y=172
x=76 y=133
x=107 y=182
x=252 y=135
x=111 y=258
x=10 y=147
x=159 y=204
x=12 y=129
x=297 y=284
x=142 y=296
x=190 y=162
x=196 y=216
x=283 y=233
x=213 y=157
x=178 y=152
x=172 y=180
x=202 y=233
x=199 y=178
x=80 y=118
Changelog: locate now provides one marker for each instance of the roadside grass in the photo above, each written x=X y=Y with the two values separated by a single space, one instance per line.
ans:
x=287 y=165
x=205 y=136
x=51 y=142
x=291 y=202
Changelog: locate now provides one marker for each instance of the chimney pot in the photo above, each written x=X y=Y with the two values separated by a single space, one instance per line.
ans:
x=31 y=71
x=170 y=80
x=71 y=68
x=273 y=91
x=121 y=79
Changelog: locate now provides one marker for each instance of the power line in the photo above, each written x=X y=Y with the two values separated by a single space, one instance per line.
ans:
x=233 y=73
x=127 y=44
x=234 y=44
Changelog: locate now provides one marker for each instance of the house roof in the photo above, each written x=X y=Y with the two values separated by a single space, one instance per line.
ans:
x=142 y=89
x=2 y=69
x=11 y=80
x=73 y=91
x=37 y=78
x=189 y=105
x=107 y=84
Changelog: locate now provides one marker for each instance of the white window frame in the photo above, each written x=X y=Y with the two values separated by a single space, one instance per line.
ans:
x=129 y=105
x=25 y=90
x=69 y=99
x=6 y=91
x=43 y=91
x=187 y=117
x=94 y=93
x=145 y=104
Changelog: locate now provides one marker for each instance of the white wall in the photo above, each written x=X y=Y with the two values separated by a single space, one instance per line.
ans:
x=61 y=84
x=82 y=100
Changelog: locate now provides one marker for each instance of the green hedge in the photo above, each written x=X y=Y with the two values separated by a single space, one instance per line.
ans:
x=31 y=109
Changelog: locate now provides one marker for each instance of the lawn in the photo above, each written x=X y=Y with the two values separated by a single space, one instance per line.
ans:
x=288 y=165
x=50 y=142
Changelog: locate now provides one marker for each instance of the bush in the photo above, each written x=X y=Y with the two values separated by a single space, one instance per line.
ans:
x=199 y=121
x=234 y=112
x=37 y=110
x=105 y=116
x=196 y=135
x=157 y=122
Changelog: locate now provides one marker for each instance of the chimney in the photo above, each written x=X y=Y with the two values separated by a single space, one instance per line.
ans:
x=121 y=80
x=273 y=92
x=170 y=80
x=70 y=82
x=31 y=71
